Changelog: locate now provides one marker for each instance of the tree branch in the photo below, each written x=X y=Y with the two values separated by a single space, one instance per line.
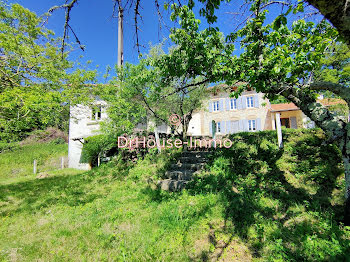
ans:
x=337 y=89
x=338 y=13
x=184 y=87
x=326 y=120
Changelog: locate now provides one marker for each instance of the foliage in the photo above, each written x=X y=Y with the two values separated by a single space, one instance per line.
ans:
x=254 y=201
x=278 y=58
x=4 y=146
x=37 y=82
x=141 y=94
x=96 y=146
x=286 y=203
x=336 y=65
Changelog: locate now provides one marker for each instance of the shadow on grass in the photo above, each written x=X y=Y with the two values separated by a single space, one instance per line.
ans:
x=71 y=190
x=279 y=200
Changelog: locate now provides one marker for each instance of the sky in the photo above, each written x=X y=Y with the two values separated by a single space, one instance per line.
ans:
x=97 y=30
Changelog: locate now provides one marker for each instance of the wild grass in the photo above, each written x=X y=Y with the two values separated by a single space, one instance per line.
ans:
x=286 y=204
x=18 y=163
x=253 y=202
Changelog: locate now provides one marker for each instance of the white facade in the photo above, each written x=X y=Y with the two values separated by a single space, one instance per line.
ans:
x=83 y=122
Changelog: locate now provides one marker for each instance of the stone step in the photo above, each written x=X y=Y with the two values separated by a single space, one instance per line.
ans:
x=179 y=175
x=171 y=184
x=187 y=166
x=196 y=153
x=188 y=159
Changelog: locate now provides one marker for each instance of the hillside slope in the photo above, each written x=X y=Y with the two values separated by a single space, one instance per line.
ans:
x=252 y=202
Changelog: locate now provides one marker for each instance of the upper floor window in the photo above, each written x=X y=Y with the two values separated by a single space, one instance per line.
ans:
x=250 y=101
x=233 y=103
x=218 y=127
x=251 y=125
x=215 y=106
x=96 y=113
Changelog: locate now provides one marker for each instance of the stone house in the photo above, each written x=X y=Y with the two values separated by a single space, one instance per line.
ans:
x=249 y=112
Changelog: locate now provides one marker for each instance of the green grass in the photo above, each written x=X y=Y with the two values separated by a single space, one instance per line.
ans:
x=18 y=164
x=253 y=202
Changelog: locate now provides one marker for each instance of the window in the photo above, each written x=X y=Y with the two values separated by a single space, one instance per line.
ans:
x=96 y=113
x=250 y=102
x=215 y=106
x=218 y=127
x=233 y=103
x=251 y=125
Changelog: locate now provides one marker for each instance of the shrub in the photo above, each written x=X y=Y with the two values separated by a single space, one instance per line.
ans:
x=95 y=146
x=8 y=146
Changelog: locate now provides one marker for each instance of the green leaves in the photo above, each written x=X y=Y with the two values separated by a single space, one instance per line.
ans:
x=35 y=86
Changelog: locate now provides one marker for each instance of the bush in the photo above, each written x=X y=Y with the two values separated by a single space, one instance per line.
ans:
x=8 y=146
x=286 y=203
x=95 y=146
x=47 y=135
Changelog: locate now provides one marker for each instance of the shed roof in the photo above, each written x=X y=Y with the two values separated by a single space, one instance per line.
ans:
x=292 y=107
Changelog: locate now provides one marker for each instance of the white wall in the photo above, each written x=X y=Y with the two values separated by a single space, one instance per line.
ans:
x=81 y=125
x=194 y=127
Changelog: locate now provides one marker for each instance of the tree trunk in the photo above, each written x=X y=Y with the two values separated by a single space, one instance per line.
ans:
x=335 y=128
x=338 y=13
x=184 y=134
x=347 y=189
x=344 y=146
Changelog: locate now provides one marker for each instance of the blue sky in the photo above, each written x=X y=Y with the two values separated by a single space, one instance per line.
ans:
x=97 y=30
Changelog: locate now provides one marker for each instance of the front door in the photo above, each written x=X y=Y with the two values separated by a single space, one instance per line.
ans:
x=285 y=122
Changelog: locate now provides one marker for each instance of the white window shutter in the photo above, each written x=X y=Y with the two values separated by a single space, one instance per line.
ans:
x=245 y=125
x=210 y=128
x=258 y=124
x=228 y=127
x=243 y=102
x=210 y=106
x=221 y=105
x=240 y=125
x=293 y=122
x=239 y=103
x=222 y=125
x=234 y=126
x=256 y=101
x=228 y=104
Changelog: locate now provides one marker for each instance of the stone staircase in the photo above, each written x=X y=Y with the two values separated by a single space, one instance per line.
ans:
x=181 y=172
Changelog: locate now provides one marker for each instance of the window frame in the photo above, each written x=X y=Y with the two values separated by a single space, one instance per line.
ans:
x=217 y=107
x=252 y=125
x=233 y=104
x=218 y=127
x=96 y=113
x=251 y=103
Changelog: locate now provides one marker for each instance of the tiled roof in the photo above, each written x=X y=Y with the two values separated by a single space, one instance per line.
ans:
x=283 y=107
x=331 y=101
x=225 y=87
x=291 y=106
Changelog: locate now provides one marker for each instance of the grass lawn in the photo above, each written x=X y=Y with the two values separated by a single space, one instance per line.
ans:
x=18 y=164
x=253 y=202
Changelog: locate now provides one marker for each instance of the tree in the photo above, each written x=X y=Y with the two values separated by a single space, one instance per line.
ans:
x=35 y=88
x=140 y=94
x=277 y=59
x=335 y=65
x=338 y=13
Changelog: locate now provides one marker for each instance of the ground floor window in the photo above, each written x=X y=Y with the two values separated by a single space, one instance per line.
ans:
x=218 y=127
x=251 y=125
